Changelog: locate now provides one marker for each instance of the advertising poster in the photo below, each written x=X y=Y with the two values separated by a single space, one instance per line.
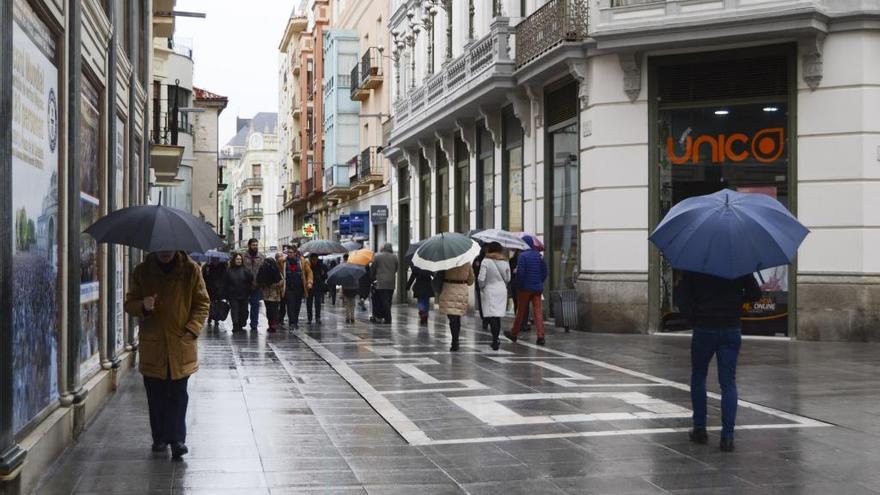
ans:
x=90 y=209
x=119 y=191
x=35 y=331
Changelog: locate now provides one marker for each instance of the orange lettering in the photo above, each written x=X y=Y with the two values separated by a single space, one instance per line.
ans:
x=670 y=151
x=713 y=145
x=728 y=147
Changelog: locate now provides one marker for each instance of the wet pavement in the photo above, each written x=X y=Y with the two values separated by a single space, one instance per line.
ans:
x=387 y=409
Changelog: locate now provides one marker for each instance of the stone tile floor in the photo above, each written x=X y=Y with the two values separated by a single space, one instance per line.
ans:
x=386 y=409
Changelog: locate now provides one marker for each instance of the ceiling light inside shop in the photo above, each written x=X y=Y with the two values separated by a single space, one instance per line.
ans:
x=771 y=109
x=722 y=112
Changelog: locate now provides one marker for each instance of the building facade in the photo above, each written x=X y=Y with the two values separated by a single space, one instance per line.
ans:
x=75 y=145
x=207 y=185
x=584 y=122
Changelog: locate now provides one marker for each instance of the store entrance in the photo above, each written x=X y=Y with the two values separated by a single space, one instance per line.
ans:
x=737 y=143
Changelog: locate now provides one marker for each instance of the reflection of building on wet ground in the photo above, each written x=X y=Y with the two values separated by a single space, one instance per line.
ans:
x=587 y=135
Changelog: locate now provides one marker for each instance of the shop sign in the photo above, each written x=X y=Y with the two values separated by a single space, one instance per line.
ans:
x=359 y=222
x=764 y=146
x=344 y=225
x=379 y=214
x=308 y=230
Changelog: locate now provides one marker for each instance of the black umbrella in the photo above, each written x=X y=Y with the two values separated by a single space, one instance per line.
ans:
x=445 y=252
x=346 y=274
x=323 y=246
x=155 y=228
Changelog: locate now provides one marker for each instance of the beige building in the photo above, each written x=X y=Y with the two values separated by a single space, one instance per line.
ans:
x=206 y=151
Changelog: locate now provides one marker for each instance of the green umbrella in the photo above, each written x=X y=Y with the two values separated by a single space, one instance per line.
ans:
x=445 y=252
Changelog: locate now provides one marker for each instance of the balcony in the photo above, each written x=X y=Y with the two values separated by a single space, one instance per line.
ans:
x=556 y=22
x=252 y=183
x=221 y=186
x=252 y=214
x=367 y=74
x=337 y=186
x=296 y=148
x=358 y=93
x=296 y=68
x=312 y=189
x=481 y=76
x=293 y=195
x=369 y=169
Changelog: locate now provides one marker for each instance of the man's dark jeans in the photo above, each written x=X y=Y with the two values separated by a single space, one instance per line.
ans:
x=384 y=298
x=313 y=304
x=724 y=343
x=256 y=297
x=167 y=401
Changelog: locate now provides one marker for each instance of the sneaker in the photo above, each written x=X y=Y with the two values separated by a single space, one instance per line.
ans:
x=510 y=336
x=540 y=341
x=699 y=435
x=727 y=444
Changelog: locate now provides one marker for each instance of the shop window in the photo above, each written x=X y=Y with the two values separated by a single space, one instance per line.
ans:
x=462 y=186
x=424 y=198
x=485 y=178
x=442 y=190
x=512 y=173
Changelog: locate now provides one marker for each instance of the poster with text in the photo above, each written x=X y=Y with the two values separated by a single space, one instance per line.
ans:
x=119 y=191
x=35 y=332
x=90 y=209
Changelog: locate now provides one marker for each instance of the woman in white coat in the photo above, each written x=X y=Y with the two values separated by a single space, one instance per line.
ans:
x=493 y=279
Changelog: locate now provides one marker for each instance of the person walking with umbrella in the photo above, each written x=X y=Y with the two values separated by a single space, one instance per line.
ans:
x=212 y=273
x=253 y=260
x=319 y=286
x=271 y=282
x=531 y=271
x=348 y=276
x=298 y=278
x=719 y=240
x=238 y=283
x=493 y=278
x=168 y=296
x=384 y=271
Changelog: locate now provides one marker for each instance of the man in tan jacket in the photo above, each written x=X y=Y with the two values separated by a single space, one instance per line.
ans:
x=168 y=296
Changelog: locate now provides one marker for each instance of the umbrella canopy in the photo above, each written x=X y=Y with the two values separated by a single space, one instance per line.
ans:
x=346 y=274
x=445 y=252
x=207 y=255
x=155 y=228
x=322 y=246
x=503 y=237
x=539 y=246
x=362 y=257
x=411 y=251
x=352 y=245
x=729 y=234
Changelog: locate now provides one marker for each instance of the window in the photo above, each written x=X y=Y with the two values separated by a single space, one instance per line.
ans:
x=462 y=186
x=485 y=178
x=255 y=232
x=424 y=198
x=256 y=200
x=512 y=172
x=256 y=170
x=442 y=190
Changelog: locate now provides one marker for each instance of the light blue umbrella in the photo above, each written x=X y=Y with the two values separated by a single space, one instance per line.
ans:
x=729 y=234
x=207 y=255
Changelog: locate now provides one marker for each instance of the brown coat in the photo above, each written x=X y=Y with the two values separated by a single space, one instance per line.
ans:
x=168 y=334
x=275 y=292
x=454 y=297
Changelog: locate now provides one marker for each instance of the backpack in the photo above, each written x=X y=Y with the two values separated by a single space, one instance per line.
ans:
x=268 y=275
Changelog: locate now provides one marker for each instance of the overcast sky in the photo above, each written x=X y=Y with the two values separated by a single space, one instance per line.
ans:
x=235 y=50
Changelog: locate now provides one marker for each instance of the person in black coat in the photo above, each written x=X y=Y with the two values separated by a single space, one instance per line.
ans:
x=238 y=283
x=212 y=273
x=714 y=306
x=319 y=286
x=421 y=283
x=365 y=288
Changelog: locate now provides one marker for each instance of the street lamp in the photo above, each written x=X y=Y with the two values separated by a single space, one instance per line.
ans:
x=430 y=10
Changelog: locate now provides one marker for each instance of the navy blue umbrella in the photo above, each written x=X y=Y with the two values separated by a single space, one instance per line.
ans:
x=155 y=228
x=729 y=234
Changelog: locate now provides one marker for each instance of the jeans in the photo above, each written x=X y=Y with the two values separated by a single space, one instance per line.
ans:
x=424 y=304
x=167 y=401
x=383 y=298
x=525 y=297
x=238 y=308
x=314 y=301
x=294 y=303
x=724 y=343
x=256 y=297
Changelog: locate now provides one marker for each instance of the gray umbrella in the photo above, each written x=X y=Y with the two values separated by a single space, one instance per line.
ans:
x=445 y=252
x=322 y=246
x=155 y=228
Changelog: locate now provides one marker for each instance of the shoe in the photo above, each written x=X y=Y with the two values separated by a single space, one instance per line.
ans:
x=540 y=341
x=318 y=321
x=699 y=435
x=271 y=330
x=495 y=345
x=727 y=444
x=453 y=347
x=510 y=336
x=387 y=321
x=178 y=450
x=373 y=319
x=159 y=447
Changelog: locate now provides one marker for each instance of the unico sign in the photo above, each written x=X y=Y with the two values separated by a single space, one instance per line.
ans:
x=764 y=146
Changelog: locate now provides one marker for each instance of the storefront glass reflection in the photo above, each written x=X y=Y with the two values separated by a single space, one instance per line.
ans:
x=564 y=235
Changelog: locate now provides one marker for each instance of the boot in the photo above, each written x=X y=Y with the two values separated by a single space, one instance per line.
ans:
x=456 y=331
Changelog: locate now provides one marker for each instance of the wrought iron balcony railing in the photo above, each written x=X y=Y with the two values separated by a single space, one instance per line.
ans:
x=369 y=165
x=556 y=22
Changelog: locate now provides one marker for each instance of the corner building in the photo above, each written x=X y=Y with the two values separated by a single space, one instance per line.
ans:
x=585 y=122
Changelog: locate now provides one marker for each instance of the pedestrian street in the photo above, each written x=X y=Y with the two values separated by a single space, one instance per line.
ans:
x=388 y=409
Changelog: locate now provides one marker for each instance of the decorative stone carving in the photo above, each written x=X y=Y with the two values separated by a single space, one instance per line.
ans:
x=578 y=70
x=811 y=59
x=447 y=144
x=631 y=63
x=468 y=134
x=535 y=93
x=428 y=150
x=412 y=158
x=522 y=110
x=492 y=119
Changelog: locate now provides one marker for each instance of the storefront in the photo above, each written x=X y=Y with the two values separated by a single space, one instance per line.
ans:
x=723 y=121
